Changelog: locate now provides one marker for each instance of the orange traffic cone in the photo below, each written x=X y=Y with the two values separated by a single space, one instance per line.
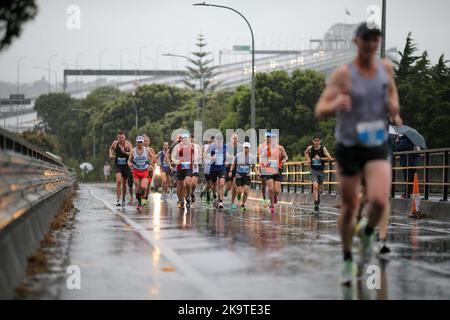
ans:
x=415 y=205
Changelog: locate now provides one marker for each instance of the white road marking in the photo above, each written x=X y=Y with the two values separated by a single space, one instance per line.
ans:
x=198 y=279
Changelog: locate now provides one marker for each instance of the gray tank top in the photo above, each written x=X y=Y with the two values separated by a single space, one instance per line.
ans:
x=366 y=124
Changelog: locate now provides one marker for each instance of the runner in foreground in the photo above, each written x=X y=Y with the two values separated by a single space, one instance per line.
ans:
x=362 y=95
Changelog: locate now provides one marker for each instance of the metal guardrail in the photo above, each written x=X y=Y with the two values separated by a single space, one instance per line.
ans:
x=432 y=169
x=27 y=176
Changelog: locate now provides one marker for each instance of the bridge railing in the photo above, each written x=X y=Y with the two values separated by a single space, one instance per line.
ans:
x=27 y=176
x=432 y=169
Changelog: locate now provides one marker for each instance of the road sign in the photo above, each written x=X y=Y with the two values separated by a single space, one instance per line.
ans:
x=15 y=99
x=241 y=48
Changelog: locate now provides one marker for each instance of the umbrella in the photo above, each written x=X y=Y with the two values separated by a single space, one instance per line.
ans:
x=416 y=138
x=86 y=166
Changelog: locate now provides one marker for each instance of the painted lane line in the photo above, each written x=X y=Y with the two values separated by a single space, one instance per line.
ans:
x=196 y=278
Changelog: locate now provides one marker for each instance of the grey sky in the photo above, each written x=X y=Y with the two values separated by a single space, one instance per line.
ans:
x=173 y=25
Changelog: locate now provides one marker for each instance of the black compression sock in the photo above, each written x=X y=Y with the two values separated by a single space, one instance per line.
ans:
x=138 y=197
x=348 y=256
x=369 y=230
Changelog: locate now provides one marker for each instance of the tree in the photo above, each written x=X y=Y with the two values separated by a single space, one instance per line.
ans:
x=408 y=59
x=50 y=108
x=13 y=15
x=45 y=142
x=201 y=73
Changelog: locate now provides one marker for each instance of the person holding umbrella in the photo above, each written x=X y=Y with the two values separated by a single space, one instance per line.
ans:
x=409 y=140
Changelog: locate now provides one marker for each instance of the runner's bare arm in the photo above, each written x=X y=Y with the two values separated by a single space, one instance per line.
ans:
x=334 y=97
x=327 y=155
x=307 y=152
x=284 y=154
x=152 y=155
x=128 y=147
x=393 y=103
x=174 y=156
x=111 y=149
x=130 y=159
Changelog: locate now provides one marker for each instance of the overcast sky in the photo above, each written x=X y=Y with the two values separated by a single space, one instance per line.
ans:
x=173 y=25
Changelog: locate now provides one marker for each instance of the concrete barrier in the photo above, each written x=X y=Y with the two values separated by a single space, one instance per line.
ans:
x=21 y=238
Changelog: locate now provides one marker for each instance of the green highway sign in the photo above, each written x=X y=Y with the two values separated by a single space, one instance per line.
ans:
x=241 y=48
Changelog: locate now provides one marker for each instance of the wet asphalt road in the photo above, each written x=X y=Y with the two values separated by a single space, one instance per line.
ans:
x=203 y=253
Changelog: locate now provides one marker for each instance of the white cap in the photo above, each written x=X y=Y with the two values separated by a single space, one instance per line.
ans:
x=246 y=145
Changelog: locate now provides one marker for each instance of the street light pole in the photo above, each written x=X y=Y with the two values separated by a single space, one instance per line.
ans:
x=100 y=66
x=140 y=61
x=120 y=61
x=252 y=102
x=18 y=70
x=17 y=106
x=49 y=72
x=76 y=67
x=383 y=28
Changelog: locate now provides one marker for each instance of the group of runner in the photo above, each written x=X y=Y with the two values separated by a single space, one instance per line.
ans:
x=362 y=95
x=227 y=167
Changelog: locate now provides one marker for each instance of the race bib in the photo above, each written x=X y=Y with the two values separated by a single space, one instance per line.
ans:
x=316 y=163
x=219 y=159
x=273 y=163
x=185 y=165
x=141 y=165
x=121 y=160
x=195 y=168
x=243 y=169
x=371 y=133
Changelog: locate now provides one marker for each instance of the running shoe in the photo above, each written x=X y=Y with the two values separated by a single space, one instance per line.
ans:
x=243 y=208
x=193 y=198
x=382 y=248
x=188 y=203
x=123 y=203
x=144 y=203
x=366 y=243
x=202 y=194
x=233 y=206
x=118 y=204
x=180 y=205
x=265 y=203
x=272 y=208
x=348 y=273
x=220 y=205
x=138 y=207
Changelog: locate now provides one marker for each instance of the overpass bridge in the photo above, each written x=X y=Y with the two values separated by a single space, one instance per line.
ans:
x=334 y=49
